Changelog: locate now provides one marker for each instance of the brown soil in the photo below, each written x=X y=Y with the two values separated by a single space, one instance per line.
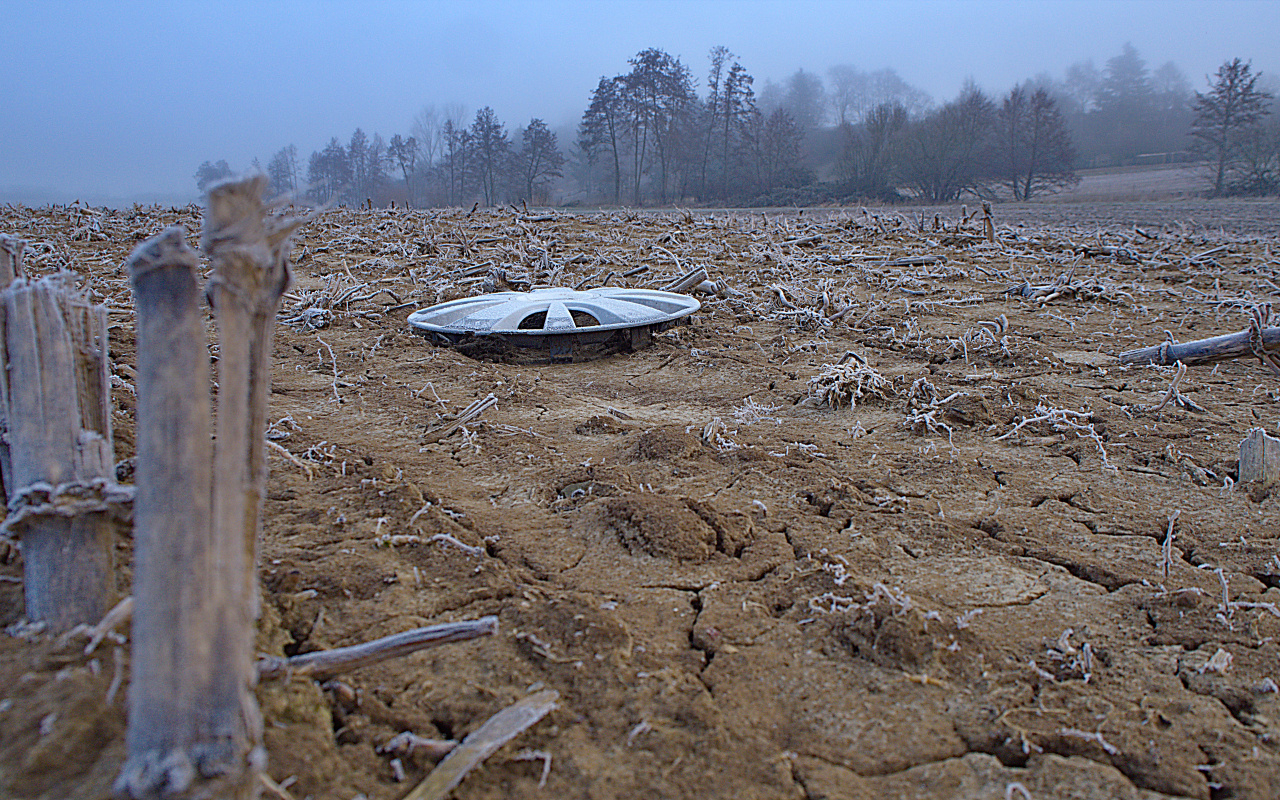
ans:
x=737 y=590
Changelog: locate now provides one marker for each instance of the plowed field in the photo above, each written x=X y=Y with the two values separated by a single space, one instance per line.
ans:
x=885 y=519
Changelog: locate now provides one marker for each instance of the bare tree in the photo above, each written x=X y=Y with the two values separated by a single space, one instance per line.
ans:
x=210 y=173
x=774 y=143
x=329 y=173
x=1257 y=169
x=853 y=93
x=1034 y=151
x=847 y=87
x=458 y=160
x=658 y=97
x=282 y=169
x=427 y=131
x=870 y=151
x=602 y=130
x=404 y=152
x=726 y=116
x=539 y=161
x=491 y=149
x=948 y=152
x=714 y=104
x=1226 y=115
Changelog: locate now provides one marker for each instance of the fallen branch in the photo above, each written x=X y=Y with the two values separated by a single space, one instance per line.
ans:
x=815 y=239
x=484 y=742
x=1202 y=351
x=914 y=261
x=324 y=664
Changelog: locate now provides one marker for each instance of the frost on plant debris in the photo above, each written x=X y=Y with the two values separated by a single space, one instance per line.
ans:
x=841 y=385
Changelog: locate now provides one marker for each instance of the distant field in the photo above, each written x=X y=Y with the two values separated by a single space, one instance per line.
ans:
x=1161 y=181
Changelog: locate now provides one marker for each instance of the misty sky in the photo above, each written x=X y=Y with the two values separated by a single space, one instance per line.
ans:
x=120 y=99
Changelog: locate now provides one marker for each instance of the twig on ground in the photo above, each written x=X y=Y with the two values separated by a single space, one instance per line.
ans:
x=1064 y=420
x=1175 y=396
x=324 y=664
x=119 y=614
x=466 y=415
x=291 y=458
x=1166 y=549
x=484 y=742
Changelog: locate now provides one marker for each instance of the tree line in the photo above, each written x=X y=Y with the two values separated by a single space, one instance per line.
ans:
x=648 y=137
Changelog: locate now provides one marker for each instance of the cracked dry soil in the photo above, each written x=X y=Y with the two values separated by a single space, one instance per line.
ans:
x=797 y=602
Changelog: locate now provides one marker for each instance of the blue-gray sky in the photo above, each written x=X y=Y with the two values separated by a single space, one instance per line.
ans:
x=122 y=99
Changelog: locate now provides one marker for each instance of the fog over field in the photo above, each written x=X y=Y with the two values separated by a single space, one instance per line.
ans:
x=117 y=102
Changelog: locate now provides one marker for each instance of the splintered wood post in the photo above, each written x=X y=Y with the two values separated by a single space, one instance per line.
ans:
x=11 y=248
x=250 y=273
x=1259 y=459
x=1202 y=351
x=194 y=726
x=249 y=251
x=10 y=268
x=178 y=577
x=59 y=477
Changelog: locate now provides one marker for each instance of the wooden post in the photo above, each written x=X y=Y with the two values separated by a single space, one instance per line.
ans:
x=59 y=477
x=249 y=252
x=1259 y=459
x=192 y=712
x=250 y=274
x=171 y=740
x=10 y=268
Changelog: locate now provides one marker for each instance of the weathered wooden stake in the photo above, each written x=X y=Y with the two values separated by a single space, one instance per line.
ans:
x=1259 y=459
x=58 y=469
x=10 y=268
x=250 y=274
x=200 y=720
x=178 y=577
